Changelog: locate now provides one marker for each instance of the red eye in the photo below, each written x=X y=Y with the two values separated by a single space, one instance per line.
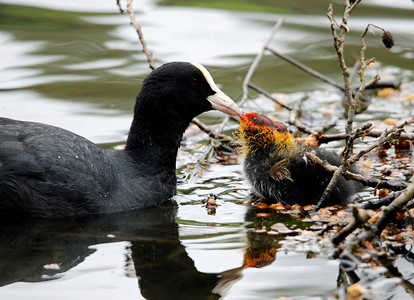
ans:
x=194 y=81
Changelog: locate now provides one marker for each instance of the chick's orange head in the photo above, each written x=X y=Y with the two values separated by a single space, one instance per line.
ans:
x=257 y=131
x=256 y=120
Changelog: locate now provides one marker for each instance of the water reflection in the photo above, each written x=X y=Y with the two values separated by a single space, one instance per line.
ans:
x=82 y=72
x=34 y=251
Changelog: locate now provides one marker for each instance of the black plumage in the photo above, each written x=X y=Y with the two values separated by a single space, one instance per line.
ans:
x=48 y=171
x=278 y=171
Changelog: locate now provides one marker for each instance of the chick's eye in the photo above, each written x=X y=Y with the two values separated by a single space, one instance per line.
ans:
x=194 y=81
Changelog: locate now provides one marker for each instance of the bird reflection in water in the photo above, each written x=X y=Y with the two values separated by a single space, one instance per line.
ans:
x=162 y=265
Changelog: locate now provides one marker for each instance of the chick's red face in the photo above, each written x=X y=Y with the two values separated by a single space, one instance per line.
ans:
x=259 y=120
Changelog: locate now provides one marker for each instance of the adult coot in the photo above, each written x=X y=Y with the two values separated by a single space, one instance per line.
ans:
x=48 y=171
x=277 y=169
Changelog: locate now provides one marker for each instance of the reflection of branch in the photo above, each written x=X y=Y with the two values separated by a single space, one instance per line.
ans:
x=393 y=270
x=140 y=35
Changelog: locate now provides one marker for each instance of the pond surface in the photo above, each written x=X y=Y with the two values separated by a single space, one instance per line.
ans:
x=78 y=65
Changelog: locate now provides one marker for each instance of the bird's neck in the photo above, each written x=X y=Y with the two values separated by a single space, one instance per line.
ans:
x=259 y=139
x=154 y=141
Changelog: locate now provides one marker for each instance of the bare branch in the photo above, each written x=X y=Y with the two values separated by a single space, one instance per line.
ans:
x=360 y=218
x=324 y=139
x=367 y=181
x=266 y=94
x=353 y=100
x=211 y=133
x=256 y=61
x=306 y=68
x=389 y=212
x=140 y=35
x=293 y=120
x=386 y=136
x=118 y=2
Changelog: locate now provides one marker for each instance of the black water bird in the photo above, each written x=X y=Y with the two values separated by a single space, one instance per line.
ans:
x=277 y=169
x=47 y=171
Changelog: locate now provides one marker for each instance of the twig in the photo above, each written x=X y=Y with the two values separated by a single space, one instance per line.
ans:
x=391 y=210
x=339 y=47
x=360 y=218
x=371 y=182
x=151 y=64
x=353 y=6
x=266 y=94
x=386 y=136
x=377 y=203
x=252 y=69
x=118 y=2
x=349 y=137
x=133 y=22
x=306 y=68
x=293 y=120
x=256 y=61
x=388 y=213
x=211 y=133
x=324 y=139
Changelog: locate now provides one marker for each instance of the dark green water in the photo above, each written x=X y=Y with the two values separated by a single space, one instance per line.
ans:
x=78 y=65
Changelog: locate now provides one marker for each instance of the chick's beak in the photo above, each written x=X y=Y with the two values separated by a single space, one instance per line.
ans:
x=223 y=103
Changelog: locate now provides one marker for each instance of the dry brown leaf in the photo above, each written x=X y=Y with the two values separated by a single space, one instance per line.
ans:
x=409 y=98
x=309 y=141
x=390 y=121
x=374 y=218
x=263 y=215
x=383 y=193
x=278 y=207
x=262 y=205
x=355 y=291
x=387 y=92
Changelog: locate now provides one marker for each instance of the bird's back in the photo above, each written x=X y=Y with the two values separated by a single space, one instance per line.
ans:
x=48 y=170
x=297 y=181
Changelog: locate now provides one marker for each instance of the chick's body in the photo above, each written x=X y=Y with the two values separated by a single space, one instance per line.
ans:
x=277 y=169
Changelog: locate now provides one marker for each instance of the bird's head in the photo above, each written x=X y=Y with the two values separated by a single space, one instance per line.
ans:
x=259 y=132
x=182 y=90
x=170 y=97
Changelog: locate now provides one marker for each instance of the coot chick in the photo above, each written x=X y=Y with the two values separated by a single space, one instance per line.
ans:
x=48 y=171
x=277 y=169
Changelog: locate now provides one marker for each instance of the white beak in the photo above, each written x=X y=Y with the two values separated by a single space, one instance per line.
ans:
x=219 y=100
x=223 y=103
